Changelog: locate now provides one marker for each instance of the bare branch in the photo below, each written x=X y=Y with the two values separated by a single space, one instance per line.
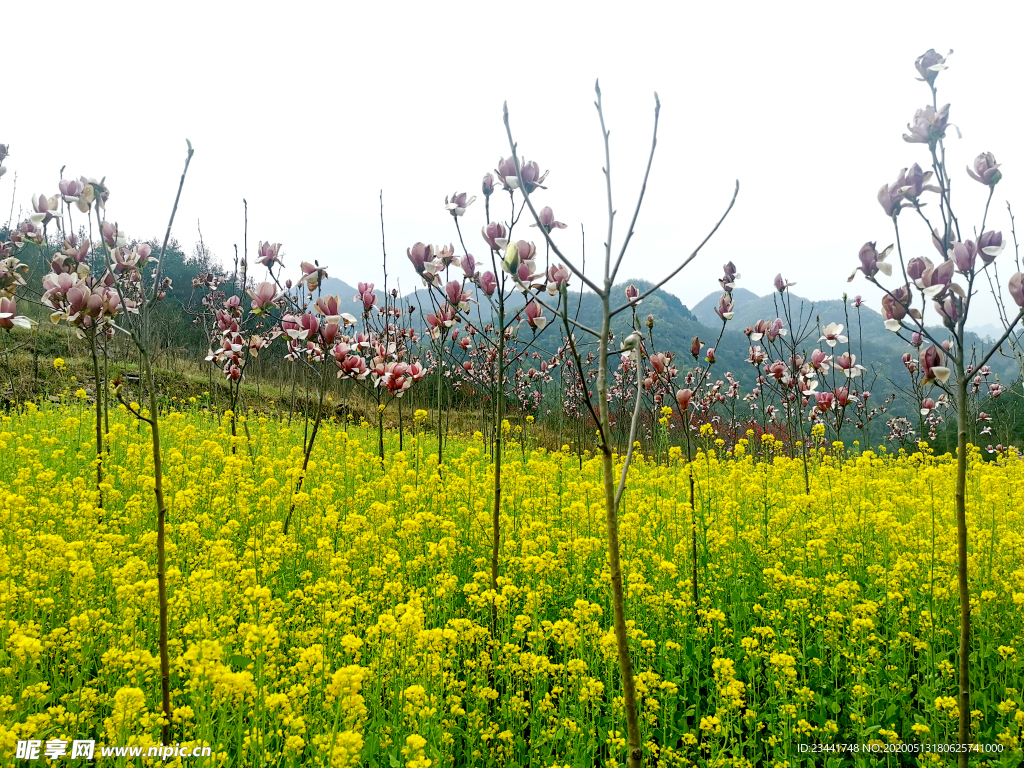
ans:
x=608 y=184
x=526 y=196
x=643 y=189
x=689 y=258
x=1002 y=339
x=167 y=235
x=632 y=427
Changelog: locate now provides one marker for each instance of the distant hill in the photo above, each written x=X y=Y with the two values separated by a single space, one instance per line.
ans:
x=750 y=308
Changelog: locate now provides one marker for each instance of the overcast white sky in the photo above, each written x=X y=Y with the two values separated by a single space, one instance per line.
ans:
x=308 y=109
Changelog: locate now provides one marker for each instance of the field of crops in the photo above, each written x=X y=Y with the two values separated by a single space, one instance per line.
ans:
x=365 y=637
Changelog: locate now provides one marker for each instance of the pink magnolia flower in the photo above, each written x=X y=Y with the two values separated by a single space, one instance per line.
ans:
x=986 y=170
x=820 y=360
x=258 y=341
x=558 y=278
x=456 y=296
x=12 y=272
x=935 y=279
x=729 y=277
x=928 y=126
x=843 y=397
x=695 y=347
x=506 y=171
x=894 y=308
x=269 y=254
x=929 y=64
x=847 y=363
x=1016 y=288
x=112 y=236
x=520 y=262
x=927 y=406
x=488 y=283
x=438 y=323
x=684 y=397
x=71 y=189
x=535 y=316
x=532 y=177
x=660 y=362
x=263 y=296
x=458 y=203
x=872 y=262
x=775 y=329
x=776 y=370
x=87 y=191
x=494 y=232
x=990 y=245
x=780 y=284
x=915 y=182
x=366 y=295
x=530 y=171
x=468 y=264
x=824 y=401
x=487 y=187
x=833 y=333
x=419 y=254
x=45 y=209
x=9 y=317
x=933 y=365
x=312 y=274
x=547 y=220
x=330 y=308
x=726 y=307
x=964 y=255
x=353 y=367
x=27 y=231
x=891 y=197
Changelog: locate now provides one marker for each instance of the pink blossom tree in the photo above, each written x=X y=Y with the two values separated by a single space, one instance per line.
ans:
x=597 y=406
x=948 y=287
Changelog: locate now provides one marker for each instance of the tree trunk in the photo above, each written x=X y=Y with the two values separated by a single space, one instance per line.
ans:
x=635 y=756
x=961 y=564
x=99 y=417
x=309 y=449
x=496 y=510
x=161 y=560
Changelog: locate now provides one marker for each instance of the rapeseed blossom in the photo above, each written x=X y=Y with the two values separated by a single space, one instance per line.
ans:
x=364 y=636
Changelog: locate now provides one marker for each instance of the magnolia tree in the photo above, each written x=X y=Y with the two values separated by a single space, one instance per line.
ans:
x=946 y=361
x=597 y=404
x=489 y=350
x=373 y=350
x=12 y=274
x=12 y=280
x=693 y=398
x=99 y=286
x=236 y=340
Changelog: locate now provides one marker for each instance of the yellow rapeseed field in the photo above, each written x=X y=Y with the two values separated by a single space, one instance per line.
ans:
x=364 y=637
